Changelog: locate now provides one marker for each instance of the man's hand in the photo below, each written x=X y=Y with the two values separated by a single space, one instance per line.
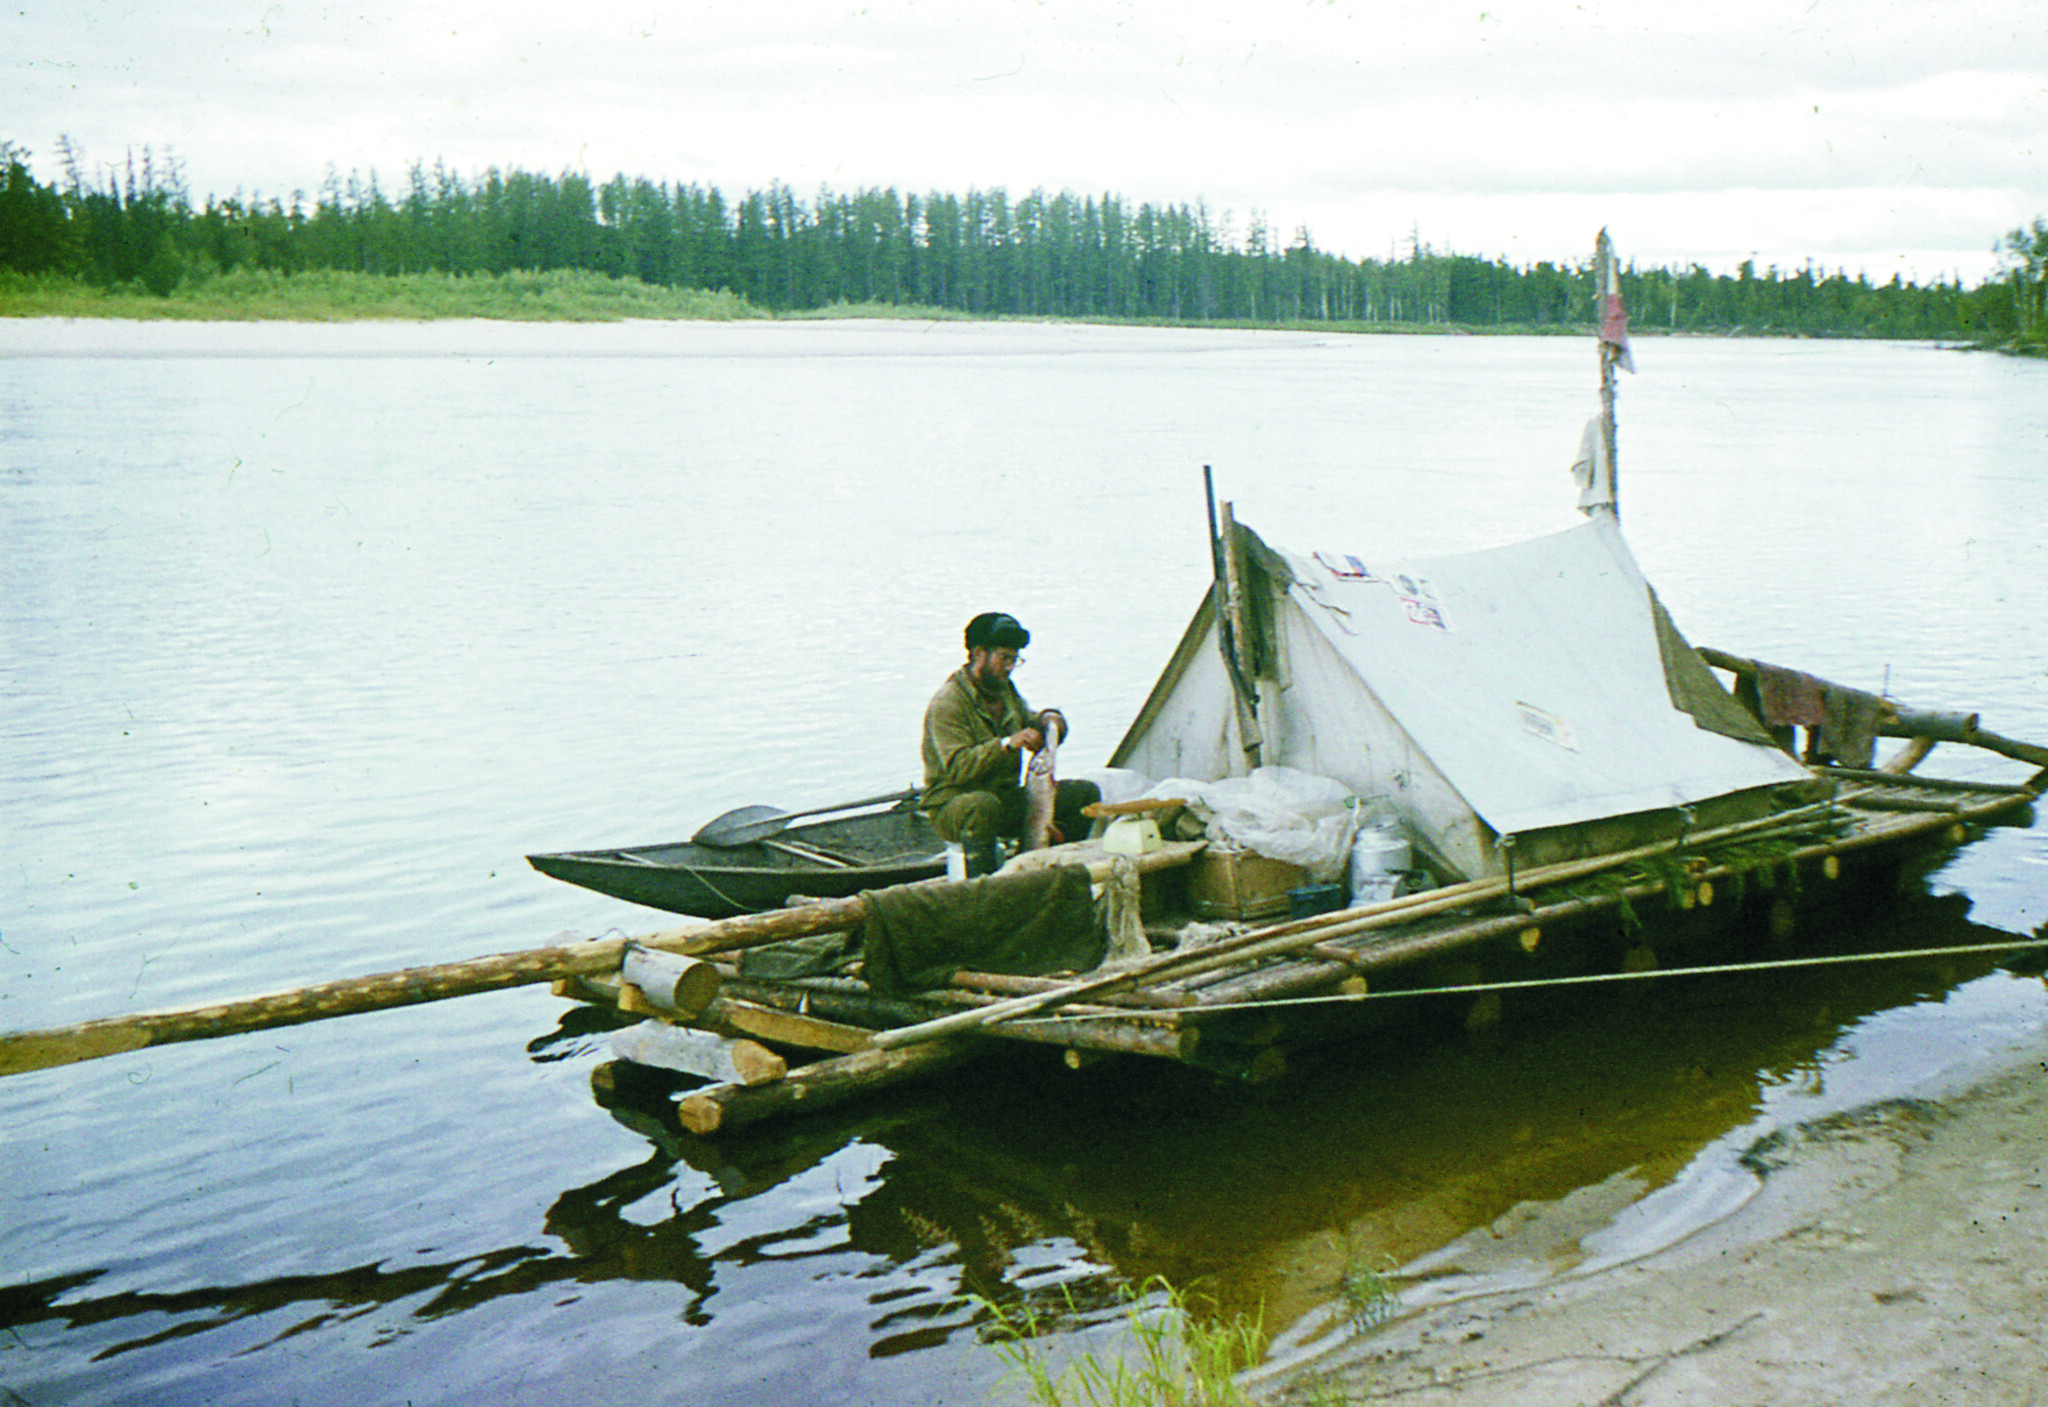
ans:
x=1025 y=740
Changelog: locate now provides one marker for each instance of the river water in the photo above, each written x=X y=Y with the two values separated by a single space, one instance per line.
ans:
x=312 y=633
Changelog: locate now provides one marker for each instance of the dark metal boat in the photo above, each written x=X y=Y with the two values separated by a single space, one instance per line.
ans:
x=826 y=859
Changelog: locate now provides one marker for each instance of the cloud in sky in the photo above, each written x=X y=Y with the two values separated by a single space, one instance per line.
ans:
x=1880 y=135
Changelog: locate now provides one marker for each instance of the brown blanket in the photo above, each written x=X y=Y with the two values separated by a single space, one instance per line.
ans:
x=1844 y=720
x=1041 y=921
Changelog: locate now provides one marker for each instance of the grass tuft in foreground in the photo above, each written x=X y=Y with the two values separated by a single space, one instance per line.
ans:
x=1171 y=1359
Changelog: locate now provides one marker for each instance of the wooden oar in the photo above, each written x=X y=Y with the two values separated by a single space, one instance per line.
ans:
x=746 y=824
x=23 y=1051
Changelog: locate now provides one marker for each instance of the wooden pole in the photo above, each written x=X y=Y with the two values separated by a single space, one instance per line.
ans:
x=1607 y=285
x=412 y=986
x=1244 y=689
x=90 y=1040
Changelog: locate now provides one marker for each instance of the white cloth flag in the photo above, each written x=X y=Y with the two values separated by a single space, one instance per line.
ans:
x=1593 y=470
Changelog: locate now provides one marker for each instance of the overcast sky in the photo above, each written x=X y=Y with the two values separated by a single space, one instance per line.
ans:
x=1877 y=136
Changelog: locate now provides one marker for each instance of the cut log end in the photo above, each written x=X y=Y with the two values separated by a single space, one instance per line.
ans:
x=700 y=1114
x=700 y=1053
x=665 y=982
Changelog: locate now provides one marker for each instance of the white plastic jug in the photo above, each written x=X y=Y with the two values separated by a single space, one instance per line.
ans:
x=1377 y=851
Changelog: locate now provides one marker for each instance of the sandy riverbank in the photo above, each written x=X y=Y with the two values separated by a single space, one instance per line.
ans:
x=1898 y=1255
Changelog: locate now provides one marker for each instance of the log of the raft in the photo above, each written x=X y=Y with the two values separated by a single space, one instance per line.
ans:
x=701 y=1053
x=1120 y=1029
x=1884 y=777
x=726 y=1015
x=818 y=1086
x=1935 y=727
x=790 y=1028
x=1959 y=728
x=1107 y=1035
x=23 y=1051
x=1875 y=802
x=2013 y=748
x=1004 y=984
x=1910 y=756
x=673 y=985
x=412 y=986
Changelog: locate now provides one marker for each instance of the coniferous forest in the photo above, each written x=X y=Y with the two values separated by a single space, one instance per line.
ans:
x=984 y=253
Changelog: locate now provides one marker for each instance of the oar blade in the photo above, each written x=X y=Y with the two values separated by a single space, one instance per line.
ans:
x=743 y=826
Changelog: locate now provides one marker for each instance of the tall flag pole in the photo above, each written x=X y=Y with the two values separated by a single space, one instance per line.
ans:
x=1595 y=466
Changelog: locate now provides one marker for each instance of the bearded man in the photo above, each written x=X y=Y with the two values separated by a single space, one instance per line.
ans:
x=977 y=729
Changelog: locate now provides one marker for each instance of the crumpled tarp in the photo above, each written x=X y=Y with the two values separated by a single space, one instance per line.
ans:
x=1027 y=924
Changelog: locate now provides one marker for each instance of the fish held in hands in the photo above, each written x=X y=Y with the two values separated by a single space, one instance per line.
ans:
x=1041 y=787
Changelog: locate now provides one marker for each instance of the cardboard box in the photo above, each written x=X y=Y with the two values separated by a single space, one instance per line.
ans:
x=1240 y=884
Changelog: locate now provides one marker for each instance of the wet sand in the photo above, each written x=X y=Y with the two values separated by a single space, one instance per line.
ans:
x=1897 y=1255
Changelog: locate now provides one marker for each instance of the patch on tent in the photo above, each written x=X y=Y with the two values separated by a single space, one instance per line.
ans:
x=1420 y=598
x=1542 y=723
x=1345 y=567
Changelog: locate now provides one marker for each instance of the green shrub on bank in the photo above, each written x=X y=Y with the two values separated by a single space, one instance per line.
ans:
x=252 y=295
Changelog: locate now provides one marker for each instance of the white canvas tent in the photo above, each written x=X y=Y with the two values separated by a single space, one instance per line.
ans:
x=1536 y=690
